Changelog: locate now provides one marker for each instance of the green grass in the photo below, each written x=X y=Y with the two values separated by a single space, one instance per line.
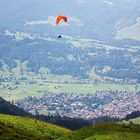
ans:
x=23 y=128
x=124 y=136
x=24 y=90
x=135 y=121
x=15 y=128
x=52 y=83
x=89 y=88
x=106 y=131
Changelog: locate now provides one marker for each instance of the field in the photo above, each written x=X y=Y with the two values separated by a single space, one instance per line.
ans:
x=39 y=88
x=24 y=83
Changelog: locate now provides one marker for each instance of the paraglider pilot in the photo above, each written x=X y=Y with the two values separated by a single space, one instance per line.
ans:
x=58 y=19
x=59 y=36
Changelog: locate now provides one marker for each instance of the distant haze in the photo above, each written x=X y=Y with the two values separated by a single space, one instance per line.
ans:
x=97 y=19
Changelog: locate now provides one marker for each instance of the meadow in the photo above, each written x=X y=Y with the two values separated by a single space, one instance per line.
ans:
x=23 y=128
x=38 y=89
x=24 y=83
x=135 y=121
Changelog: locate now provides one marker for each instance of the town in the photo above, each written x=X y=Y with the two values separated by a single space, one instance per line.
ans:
x=85 y=106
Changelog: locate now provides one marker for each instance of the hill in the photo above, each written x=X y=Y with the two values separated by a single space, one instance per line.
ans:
x=23 y=128
x=25 y=39
x=134 y=121
x=132 y=115
x=8 y=108
x=72 y=124
x=133 y=118
x=106 y=131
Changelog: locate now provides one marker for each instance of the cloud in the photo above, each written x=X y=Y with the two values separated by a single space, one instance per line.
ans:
x=51 y=21
x=76 y=21
x=109 y=2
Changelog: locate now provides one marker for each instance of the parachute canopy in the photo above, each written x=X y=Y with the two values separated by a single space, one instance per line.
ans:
x=59 y=18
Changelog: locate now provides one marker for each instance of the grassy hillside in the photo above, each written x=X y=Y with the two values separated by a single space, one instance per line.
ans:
x=135 y=121
x=23 y=128
x=106 y=131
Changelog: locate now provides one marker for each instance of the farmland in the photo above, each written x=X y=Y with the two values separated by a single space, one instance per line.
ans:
x=37 y=87
x=20 y=83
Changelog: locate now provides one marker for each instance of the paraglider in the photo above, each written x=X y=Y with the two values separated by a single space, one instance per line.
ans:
x=59 y=19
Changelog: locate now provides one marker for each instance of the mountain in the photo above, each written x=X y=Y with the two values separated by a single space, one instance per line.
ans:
x=28 y=33
x=106 y=20
x=23 y=128
x=76 y=57
x=106 y=131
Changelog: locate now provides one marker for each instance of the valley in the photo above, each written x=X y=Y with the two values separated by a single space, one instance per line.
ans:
x=72 y=77
x=50 y=94
x=19 y=83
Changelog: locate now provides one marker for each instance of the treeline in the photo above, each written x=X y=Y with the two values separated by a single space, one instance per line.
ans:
x=74 y=123
x=133 y=115
x=9 y=108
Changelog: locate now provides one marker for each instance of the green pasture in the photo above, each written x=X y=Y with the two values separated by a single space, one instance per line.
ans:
x=135 y=121
x=40 y=87
x=23 y=128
